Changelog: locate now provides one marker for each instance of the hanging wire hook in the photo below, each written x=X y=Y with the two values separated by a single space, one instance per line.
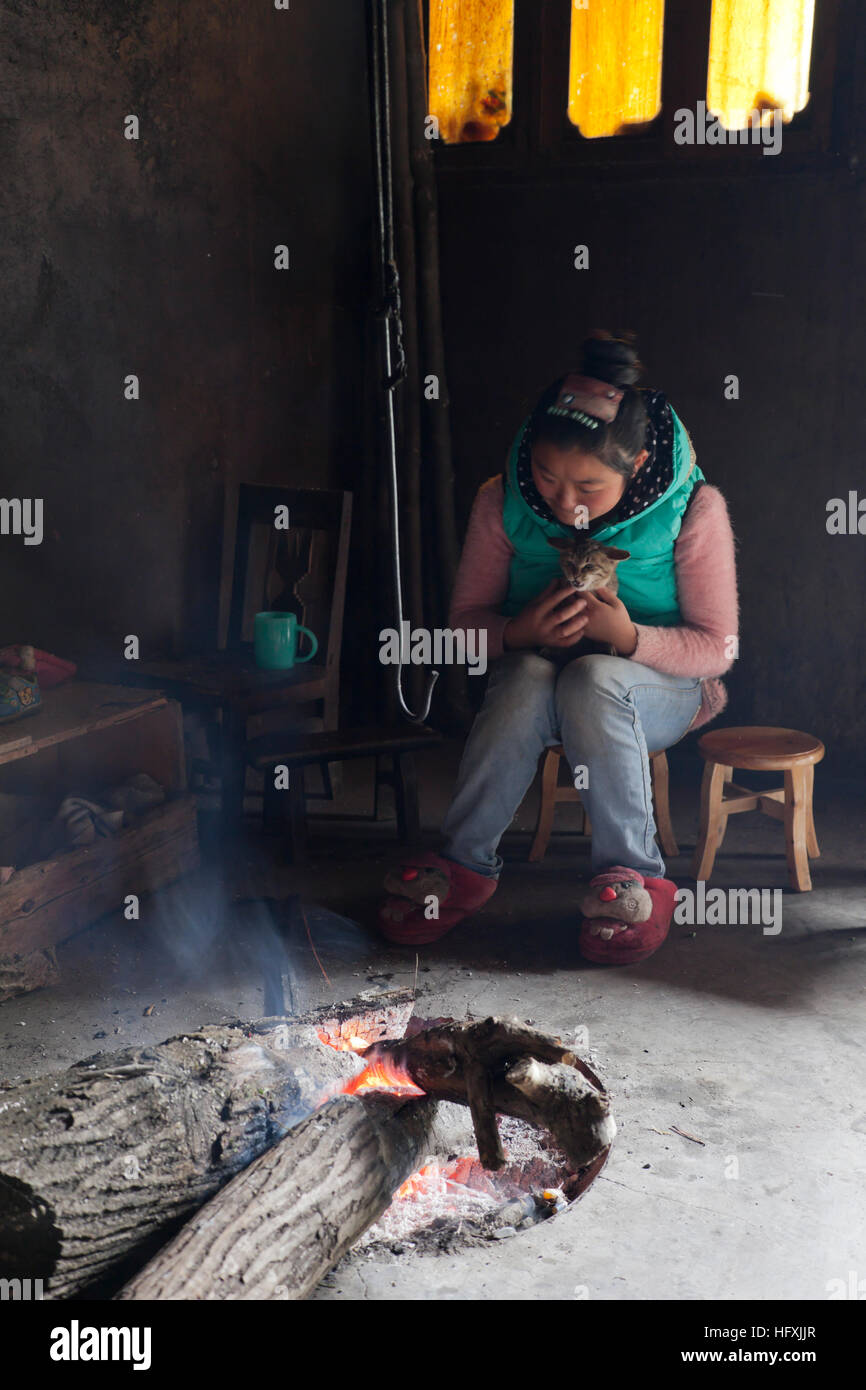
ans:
x=390 y=313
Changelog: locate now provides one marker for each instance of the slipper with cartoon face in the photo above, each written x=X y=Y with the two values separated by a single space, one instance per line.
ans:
x=626 y=916
x=427 y=896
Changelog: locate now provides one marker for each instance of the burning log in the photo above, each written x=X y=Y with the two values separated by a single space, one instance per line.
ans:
x=101 y=1163
x=498 y=1066
x=276 y=1229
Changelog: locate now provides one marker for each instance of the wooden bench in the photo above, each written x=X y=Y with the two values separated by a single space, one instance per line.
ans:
x=285 y=809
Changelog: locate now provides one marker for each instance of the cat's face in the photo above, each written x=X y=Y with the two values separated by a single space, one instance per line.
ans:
x=586 y=564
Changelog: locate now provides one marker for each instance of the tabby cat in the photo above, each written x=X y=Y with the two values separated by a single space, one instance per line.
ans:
x=586 y=565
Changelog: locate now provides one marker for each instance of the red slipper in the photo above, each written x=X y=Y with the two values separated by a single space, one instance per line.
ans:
x=428 y=895
x=626 y=916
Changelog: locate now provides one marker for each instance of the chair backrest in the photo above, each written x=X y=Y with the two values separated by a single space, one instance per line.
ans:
x=301 y=569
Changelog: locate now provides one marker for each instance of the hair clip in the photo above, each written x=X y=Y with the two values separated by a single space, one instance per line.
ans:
x=588 y=420
x=586 y=395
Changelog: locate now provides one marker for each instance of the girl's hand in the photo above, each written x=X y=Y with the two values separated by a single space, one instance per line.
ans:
x=542 y=623
x=608 y=621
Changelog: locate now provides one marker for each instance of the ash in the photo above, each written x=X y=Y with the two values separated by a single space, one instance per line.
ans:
x=442 y=1205
x=453 y=1203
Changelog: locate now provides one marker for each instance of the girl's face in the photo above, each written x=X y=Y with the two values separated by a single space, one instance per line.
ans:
x=568 y=479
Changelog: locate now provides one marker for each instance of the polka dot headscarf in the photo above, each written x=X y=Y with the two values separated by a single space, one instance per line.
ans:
x=650 y=482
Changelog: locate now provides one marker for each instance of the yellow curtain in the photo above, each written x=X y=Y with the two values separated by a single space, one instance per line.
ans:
x=471 y=46
x=759 y=59
x=615 y=73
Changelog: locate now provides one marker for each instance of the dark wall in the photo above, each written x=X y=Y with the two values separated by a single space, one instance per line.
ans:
x=759 y=275
x=155 y=257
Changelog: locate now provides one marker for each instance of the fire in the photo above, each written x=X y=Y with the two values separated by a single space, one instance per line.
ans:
x=382 y=1074
x=429 y=1180
x=439 y=1179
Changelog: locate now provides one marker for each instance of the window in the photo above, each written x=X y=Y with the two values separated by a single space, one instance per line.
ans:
x=615 y=68
x=759 y=59
x=585 y=82
x=471 y=46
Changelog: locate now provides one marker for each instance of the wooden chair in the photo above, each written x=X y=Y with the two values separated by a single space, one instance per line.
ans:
x=760 y=750
x=552 y=793
x=302 y=570
x=286 y=808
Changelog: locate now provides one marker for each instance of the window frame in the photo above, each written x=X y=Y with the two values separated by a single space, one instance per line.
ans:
x=540 y=136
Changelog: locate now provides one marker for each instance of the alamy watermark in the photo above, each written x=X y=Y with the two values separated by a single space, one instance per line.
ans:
x=22 y=516
x=21 y=1290
x=846 y=517
x=854 y=1287
x=77 y=1343
x=701 y=127
x=439 y=646
x=724 y=907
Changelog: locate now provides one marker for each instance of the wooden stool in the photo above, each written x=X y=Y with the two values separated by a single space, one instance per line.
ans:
x=552 y=792
x=761 y=750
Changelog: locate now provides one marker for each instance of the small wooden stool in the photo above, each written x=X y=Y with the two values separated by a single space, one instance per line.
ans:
x=761 y=750
x=552 y=792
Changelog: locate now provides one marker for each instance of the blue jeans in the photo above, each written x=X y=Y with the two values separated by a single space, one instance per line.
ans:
x=607 y=712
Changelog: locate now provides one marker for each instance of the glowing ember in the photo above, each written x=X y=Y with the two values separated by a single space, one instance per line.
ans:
x=454 y=1188
x=345 y=1042
x=429 y=1181
x=355 y=1032
x=382 y=1074
x=444 y=1180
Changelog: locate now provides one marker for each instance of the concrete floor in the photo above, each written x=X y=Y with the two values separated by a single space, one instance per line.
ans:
x=751 y=1043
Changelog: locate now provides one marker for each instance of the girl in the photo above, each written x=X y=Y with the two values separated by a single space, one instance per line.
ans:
x=595 y=447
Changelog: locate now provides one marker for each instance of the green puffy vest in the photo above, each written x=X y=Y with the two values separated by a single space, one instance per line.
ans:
x=647 y=579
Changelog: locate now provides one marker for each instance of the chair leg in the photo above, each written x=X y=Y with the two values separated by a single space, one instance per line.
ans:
x=547 y=805
x=332 y=779
x=811 y=838
x=796 y=803
x=661 y=804
x=406 y=797
x=714 y=820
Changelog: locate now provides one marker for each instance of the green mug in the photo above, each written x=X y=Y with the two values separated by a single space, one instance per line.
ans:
x=276 y=641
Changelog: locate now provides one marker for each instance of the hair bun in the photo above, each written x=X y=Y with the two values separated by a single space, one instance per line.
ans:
x=612 y=358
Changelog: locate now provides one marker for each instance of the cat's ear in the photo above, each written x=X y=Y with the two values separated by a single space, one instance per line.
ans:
x=613 y=554
x=559 y=543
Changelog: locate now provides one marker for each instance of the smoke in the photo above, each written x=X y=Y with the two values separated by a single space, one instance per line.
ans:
x=280 y=950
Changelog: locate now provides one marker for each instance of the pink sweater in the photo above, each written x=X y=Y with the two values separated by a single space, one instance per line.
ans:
x=706 y=587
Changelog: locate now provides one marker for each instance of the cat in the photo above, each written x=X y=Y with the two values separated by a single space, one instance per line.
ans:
x=586 y=565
